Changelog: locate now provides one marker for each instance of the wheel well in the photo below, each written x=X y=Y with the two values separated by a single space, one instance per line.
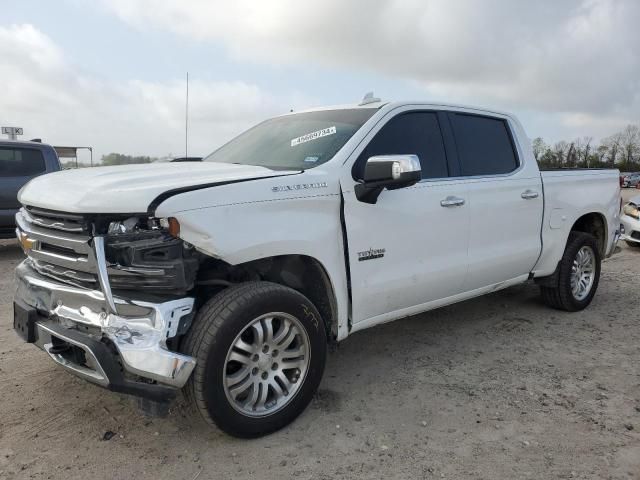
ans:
x=300 y=272
x=594 y=224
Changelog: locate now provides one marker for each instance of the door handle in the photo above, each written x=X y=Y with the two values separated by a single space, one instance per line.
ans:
x=452 y=201
x=529 y=194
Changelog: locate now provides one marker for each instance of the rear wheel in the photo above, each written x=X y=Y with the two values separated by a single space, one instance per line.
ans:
x=578 y=274
x=260 y=349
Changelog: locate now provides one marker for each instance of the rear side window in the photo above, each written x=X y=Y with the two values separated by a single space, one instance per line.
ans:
x=21 y=162
x=484 y=145
x=415 y=133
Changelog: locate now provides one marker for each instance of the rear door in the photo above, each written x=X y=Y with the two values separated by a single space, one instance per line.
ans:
x=17 y=166
x=505 y=200
x=409 y=248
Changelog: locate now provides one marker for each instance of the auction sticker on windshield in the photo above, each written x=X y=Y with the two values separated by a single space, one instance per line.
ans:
x=313 y=136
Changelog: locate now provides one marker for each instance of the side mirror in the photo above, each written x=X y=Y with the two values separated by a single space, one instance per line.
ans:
x=387 y=171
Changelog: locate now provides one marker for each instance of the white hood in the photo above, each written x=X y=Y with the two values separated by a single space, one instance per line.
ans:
x=128 y=188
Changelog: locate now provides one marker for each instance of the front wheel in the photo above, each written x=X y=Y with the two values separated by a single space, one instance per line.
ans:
x=577 y=276
x=260 y=350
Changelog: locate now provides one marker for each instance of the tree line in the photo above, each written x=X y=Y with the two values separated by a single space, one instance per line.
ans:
x=620 y=150
x=121 y=159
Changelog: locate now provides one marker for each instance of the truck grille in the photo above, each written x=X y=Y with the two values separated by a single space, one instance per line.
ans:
x=58 y=245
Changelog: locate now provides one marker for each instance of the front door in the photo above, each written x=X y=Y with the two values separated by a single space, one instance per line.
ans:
x=410 y=247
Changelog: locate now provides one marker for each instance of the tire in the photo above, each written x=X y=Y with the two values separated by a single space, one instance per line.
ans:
x=561 y=296
x=234 y=317
x=633 y=244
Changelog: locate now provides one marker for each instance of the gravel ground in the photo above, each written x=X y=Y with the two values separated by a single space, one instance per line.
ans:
x=499 y=387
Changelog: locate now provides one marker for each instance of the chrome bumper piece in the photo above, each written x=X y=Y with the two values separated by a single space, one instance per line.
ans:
x=138 y=329
x=616 y=238
x=92 y=371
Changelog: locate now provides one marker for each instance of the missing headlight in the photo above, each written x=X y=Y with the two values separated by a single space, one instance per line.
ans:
x=145 y=253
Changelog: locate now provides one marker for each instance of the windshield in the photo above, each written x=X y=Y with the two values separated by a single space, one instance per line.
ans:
x=293 y=142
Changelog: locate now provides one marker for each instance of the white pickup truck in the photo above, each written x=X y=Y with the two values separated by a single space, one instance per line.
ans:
x=228 y=278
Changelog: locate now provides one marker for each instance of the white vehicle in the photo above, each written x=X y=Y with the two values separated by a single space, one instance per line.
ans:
x=228 y=277
x=631 y=222
x=631 y=180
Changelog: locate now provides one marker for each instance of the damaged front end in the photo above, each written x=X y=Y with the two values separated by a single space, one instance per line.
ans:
x=107 y=297
x=143 y=254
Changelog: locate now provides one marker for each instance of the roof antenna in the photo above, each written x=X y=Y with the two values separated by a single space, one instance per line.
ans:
x=186 y=122
x=368 y=98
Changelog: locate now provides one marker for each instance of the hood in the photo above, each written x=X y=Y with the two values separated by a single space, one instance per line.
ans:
x=130 y=188
x=635 y=200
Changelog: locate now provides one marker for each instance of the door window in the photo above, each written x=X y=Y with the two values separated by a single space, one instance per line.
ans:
x=414 y=133
x=484 y=145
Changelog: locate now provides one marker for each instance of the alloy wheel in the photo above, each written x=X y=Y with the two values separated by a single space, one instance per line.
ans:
x=266 y=364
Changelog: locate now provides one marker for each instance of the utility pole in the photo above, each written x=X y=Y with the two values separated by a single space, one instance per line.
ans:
x=186 y=122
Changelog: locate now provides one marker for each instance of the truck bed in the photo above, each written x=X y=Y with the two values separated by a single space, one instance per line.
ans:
x=568 y=194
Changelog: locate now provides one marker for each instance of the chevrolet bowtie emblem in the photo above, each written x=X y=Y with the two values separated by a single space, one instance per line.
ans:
x=26 y=243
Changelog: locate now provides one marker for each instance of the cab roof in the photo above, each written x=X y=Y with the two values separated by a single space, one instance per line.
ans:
x=395 y=104
x=26 y=143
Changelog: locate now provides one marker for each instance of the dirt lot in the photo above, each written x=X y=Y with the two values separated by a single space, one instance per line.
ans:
x=497 y=387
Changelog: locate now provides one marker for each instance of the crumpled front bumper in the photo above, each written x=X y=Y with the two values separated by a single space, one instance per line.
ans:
x=124 y=351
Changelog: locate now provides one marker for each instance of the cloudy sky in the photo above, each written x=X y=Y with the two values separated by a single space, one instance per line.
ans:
x=111 y=73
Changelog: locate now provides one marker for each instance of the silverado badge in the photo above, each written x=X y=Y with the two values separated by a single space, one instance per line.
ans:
x=300 y=186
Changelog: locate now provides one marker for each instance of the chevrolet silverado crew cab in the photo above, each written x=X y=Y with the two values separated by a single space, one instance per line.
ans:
x=227 y=278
